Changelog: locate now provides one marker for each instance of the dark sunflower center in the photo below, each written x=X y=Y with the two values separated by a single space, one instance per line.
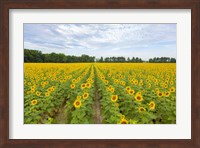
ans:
x=138 y=97
x=85 y=95
x=160 y=94
x=77 y=103
x=123 y=122
x=114 y=98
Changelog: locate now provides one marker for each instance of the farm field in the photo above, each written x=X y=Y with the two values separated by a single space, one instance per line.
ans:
x=100 y=93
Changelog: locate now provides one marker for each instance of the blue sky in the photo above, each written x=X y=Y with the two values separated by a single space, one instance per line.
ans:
x=128 y=40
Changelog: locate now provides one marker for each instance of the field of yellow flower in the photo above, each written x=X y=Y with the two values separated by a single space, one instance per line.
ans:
x=88 y=93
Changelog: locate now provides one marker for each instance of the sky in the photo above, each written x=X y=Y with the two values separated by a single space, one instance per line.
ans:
x=129 y=40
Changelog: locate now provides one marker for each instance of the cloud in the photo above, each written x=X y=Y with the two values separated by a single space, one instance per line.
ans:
x=143 y=40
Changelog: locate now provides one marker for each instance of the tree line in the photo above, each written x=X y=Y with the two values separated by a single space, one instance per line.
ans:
x=119 y=59
x=162 y=60
x=37 y=56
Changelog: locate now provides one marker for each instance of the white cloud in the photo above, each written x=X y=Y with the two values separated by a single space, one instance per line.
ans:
x=143 y=40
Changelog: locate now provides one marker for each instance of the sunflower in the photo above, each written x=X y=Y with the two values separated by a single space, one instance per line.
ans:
x=159 y=94
x=167 y=94
x=152 y=105
x=49 y=89
x=52 y=88
x=149 y=85
x=77 y=103
x=83 y=85
x=102 y=78
x=32 y=90
x=73 y=80
x=136 y=82
x=112 y=90
x=138 y=97
x=43 y=83
x=88 y=85
x=172 y=89
x=141 y=83
x=122 y=83
x=34 y=102
x=114 y=98
x=106 y=82
x=128 y=88
x=123 y=121
x=78 y=97
x=32 y=87
x=38 y=93
x=157 y=90
x=141 y=109
x=131 y=92
x=72 y=86
x=171 y=83
x=85 y=95
x=47 y=94
x=116 y=81
x=165 y=86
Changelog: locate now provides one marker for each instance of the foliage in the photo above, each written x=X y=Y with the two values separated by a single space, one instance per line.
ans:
x=139 y=93
x=35 y=56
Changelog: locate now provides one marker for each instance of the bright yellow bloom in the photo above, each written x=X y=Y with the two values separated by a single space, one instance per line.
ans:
x=77 y=103
x=172 y=89
x=141 y=109
x=47 y=94
x=131 y=92
x=138 y=97
x=114 y=98
x=123 y=121
x=152 y=105
x=34 y=102
x=128 y=88
x=38 y=93
x=78 y=97
x=167 y=94
x=159 y=94
x=85 y=95
x=83 y=86
x=72 y=86
x=88 y=85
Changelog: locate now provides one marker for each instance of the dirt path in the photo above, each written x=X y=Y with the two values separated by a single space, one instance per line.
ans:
x=61 y=117
x=97 y=112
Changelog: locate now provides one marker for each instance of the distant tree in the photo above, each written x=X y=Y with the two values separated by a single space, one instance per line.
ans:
x=33 y=56
x=107 y=59
x=101 y=59
x=133 y=59
x=172 y=60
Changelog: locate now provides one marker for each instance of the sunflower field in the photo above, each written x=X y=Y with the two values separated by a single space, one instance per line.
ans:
x=100 y=93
